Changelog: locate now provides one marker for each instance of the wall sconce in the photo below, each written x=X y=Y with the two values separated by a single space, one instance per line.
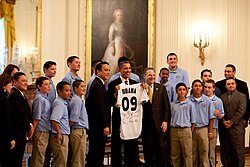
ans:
x=202 y=42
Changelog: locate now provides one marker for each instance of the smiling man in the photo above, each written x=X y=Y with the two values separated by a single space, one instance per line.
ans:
x=22 y=119
x=74 y=64
x=130 y=146
x=156 y=116
x=232 y=131
x=241 y=86
x=176 y=74
x=99 y=116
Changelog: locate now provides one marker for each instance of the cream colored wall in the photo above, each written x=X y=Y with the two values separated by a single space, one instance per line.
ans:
x=25 y=26
x=63 y=33
x=229 y=36
x=229 y=23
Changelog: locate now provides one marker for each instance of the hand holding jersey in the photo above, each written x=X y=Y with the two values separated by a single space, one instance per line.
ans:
x=130 y=98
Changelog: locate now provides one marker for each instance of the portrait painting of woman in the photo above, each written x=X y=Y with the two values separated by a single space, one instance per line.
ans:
x=120 y=28
x=116 y=45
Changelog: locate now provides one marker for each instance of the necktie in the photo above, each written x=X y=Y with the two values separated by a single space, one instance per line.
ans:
x=126 y=82
x=150 y=93
x=229 y=96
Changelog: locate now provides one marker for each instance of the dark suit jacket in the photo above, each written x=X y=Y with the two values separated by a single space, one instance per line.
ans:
x=158 y=111
x=6 y=134
x=21 y=112
x=97 y=106
x=234 y=108
x=241 y=87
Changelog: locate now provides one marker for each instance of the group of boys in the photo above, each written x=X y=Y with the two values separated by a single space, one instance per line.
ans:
x=189 y=123
x=60 y=122
x=196 y=118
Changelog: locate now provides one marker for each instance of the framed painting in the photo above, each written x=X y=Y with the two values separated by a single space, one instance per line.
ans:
x=116 y=28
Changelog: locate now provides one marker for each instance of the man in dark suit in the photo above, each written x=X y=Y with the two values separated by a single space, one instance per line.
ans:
x=232 y=130
x=156 y=115
x=230 y=71
x=22 y=119
x=99 y=116
x=130 y=146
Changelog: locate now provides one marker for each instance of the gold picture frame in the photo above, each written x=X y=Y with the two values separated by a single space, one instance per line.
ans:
x=150 y=34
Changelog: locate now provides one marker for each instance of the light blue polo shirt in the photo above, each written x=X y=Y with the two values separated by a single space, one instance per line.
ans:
x=60 y=115
x=41 y=109
x=182 y=114
x=52 y=93
x=78 y=113
x=171 y=91
x=204 y=110
x=177 y=76
x=218 y=105
x=70 y=78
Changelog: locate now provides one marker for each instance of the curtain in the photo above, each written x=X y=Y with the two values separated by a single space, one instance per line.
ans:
x=7 y=12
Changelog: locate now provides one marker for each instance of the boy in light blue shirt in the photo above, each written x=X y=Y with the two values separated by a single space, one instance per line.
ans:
x=49 y=69
x=164 y=74
x=183 y=119
x=209 y=89
x=79 y=125
x=41 y=109
x=204 y=124
x=60 y=125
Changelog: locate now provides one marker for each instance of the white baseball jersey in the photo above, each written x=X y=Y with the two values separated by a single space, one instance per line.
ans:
x=129 y=99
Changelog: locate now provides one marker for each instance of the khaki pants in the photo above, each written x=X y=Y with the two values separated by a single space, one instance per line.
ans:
x=212 y=146
x=200 y=147
x=181 y=146
x=78 y=139
x=40 y=143
x=59 y=150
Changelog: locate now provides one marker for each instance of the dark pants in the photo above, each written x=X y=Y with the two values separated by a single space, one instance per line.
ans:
x=130 y=147
x=232 y=144
x=16 y=155
x=97 y=142
x=4 y=154
x=155 y=150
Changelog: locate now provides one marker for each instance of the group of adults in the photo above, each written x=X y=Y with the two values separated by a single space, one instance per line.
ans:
x=175 y=129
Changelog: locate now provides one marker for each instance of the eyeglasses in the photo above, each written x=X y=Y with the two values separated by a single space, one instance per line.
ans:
x=227 y=71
